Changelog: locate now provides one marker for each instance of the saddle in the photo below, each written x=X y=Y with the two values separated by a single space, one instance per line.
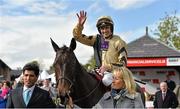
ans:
x=96 y=75
x=99 y=78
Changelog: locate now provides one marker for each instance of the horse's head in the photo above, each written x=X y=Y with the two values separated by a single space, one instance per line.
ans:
x=64 y=61
x=72 y=79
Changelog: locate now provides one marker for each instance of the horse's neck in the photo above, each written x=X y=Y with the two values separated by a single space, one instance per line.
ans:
x=85 y=79
x=88 y=90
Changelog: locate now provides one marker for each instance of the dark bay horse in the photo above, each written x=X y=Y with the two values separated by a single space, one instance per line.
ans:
x=73 y=80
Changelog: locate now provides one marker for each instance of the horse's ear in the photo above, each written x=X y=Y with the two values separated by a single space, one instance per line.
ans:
x=73 y=44
x=55 y=46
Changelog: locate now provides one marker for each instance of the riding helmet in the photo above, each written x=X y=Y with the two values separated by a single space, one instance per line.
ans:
x=105 y=21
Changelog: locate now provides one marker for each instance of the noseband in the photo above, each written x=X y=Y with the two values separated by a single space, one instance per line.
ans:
x=65 y=78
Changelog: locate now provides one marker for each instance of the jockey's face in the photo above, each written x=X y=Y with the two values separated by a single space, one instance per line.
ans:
x=106 y=31
x=118 y=82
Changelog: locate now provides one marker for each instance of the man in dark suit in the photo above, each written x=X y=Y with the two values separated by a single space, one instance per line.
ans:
x=29 y=95
x=165 y=98
x=170 y=83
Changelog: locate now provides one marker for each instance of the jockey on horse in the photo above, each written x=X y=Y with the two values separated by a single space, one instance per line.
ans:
x=108 y=48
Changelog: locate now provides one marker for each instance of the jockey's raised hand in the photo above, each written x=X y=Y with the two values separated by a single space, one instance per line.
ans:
x=81 y=17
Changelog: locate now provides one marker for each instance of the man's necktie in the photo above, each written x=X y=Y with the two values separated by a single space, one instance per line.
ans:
x=163 y=95
x=26 y=96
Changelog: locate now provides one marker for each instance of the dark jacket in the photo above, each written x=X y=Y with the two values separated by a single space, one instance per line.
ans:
x=39 y=99
x=171 y=84
x=170 y=100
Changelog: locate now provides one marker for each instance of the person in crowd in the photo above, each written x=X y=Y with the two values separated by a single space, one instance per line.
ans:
x=123 y=93
x=4 y=93
x=29 y=95
x=39 y=83
x=47 y=86
x=177 y=92
x=5 y=89
x=1 y=84
x=148 y=96
x=14 y=84
x=108 y=47
x=170 y=83
x=165 y=98
x=20 y=82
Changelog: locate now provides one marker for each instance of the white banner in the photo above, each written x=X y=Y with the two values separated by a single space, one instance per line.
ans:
x=173 y=61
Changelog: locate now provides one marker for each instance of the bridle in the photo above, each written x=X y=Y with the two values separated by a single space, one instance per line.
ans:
x=67 y=94
x=67 y=79
x=72 y=84
x=64 y=78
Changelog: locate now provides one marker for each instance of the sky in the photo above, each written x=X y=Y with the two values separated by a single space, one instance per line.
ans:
x=27 y=25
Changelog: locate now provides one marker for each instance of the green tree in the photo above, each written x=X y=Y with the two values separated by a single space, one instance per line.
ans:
x=168 y=30
x=35 y=62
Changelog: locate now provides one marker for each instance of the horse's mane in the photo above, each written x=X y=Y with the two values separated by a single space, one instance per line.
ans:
x=64 y=47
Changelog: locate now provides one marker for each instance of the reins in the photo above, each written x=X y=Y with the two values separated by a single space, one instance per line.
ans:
x=79 y=99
